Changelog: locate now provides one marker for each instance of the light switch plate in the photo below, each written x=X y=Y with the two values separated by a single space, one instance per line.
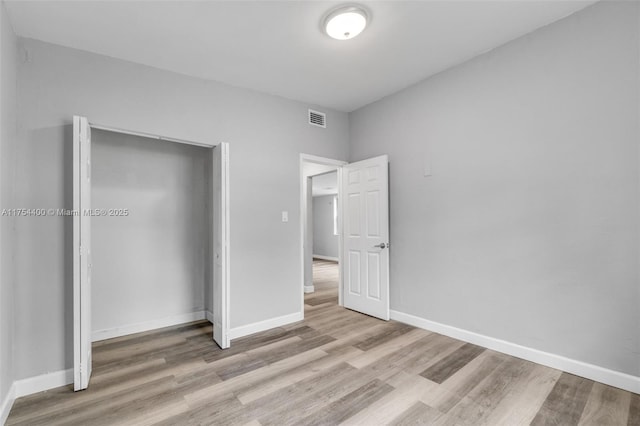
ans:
x=285 y=216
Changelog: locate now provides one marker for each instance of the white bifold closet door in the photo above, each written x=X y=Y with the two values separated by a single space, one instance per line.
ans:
x=365 y=212
x=81 y=253
x=220 y=293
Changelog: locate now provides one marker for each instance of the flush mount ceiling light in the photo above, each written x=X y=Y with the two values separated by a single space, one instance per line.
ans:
x=345 y=22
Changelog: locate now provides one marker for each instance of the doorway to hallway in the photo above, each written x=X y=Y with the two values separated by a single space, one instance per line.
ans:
x=325 y=283
x=361 y=228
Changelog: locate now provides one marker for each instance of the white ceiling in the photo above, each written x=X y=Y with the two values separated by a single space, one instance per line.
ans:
x=277 y=46
x=326 y=184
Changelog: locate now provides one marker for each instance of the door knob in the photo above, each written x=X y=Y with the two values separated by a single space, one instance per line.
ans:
x=381 y=245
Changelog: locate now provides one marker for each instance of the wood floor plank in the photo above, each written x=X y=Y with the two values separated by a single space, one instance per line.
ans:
x=482 y=400
x=354 y=335
x=521 y=404
x=240 y=383
x=634 y=411
x=606 y=406
x=418 y=414
x=310 y=309
x=348 y=326
x=294 y=349
x=452 y=391
x=208 y=414
x=388 y=347
x=428 y=351
x=348 y=405
x=408 y=390
x=565 y=402
x=320 y=397
x=116 y=376
x=295 y=375
x=303 y=396
x=320 y=300
x=154 y=415
x=452 y=364
x=396 y=329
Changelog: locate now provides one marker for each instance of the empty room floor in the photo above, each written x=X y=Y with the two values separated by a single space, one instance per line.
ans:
x=335 y=367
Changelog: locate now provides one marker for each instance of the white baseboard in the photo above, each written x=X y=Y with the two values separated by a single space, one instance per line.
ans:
x=209 y=316
x=322 y=257
x=309 y=288
x=579 y=368
x=43 y=382
x=256 y=327
x=7 y=403
x=65 y=377
x=110 y=333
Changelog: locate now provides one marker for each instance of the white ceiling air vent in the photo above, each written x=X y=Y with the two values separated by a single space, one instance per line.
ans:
x=317 y=118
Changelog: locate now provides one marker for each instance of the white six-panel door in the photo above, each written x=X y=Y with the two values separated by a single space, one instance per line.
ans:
x=220 y=240
x=81 y=253
x=365 y=198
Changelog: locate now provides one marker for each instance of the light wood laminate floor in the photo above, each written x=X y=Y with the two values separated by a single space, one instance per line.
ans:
x=335 y=367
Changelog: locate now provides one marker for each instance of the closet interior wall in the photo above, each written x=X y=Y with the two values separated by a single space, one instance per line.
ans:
x=151 y=250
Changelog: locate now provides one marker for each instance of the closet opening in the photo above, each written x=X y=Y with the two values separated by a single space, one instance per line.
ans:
x=150 y=236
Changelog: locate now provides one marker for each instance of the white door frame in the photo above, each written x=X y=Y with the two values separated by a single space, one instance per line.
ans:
x=227 y=261
x=305 y=191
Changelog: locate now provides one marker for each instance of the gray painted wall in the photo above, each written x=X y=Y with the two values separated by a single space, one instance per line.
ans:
x=7 y=161
x=527 y=229
x=58 y=82
x=154 y=262
x=324 y=242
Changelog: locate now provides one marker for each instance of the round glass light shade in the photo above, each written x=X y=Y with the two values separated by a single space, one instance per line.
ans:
x=345 y=23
